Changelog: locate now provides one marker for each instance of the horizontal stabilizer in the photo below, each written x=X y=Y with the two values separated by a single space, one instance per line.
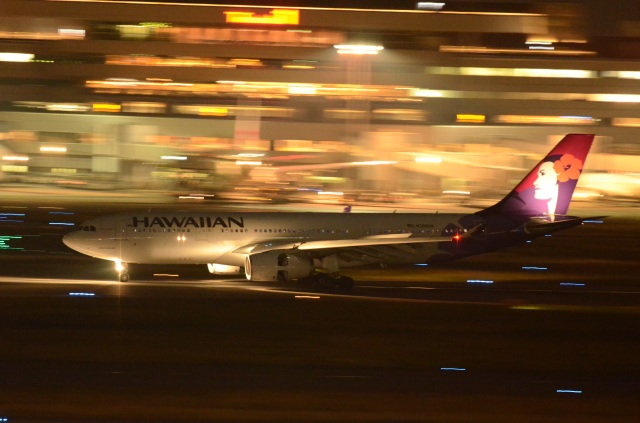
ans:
x=540 y=226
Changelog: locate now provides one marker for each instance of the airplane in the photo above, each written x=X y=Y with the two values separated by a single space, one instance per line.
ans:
x=314 y=247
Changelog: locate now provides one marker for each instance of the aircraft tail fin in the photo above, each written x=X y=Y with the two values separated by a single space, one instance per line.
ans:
x=547 y=190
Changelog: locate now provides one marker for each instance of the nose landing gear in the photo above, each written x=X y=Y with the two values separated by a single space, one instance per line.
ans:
x=123 y=271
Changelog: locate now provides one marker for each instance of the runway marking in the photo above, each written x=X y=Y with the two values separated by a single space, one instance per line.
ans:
x=381 y=299
x=425 y=288
x=243 y=285
x=46 y=281
x=574 y=308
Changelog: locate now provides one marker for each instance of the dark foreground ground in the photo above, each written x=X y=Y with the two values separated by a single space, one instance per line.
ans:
x=417 y=345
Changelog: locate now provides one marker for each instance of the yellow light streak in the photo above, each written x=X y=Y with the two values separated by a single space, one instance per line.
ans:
x=469 y=118
x=274 y=17
x=106 y=107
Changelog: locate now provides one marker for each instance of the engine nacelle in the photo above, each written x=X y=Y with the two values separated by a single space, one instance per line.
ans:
x=277 y=266
x=223 y=269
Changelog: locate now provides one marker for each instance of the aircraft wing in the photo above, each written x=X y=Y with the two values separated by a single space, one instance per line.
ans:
x=372 y=241
x=368 y=242
x=365 y=250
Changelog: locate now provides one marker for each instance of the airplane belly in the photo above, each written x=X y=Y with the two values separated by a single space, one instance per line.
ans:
x=172 y=249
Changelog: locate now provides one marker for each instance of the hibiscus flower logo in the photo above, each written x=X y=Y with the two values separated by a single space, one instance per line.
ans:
x=568 y=167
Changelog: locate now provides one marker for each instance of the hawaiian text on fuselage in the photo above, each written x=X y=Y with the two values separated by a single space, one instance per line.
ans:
x=187 y=222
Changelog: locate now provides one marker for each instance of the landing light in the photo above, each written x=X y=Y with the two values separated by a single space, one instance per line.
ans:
x=119 y=266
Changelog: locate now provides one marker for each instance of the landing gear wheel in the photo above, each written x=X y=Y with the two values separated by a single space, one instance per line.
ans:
x=327 y=282
x=345 y=283
x=124 y=277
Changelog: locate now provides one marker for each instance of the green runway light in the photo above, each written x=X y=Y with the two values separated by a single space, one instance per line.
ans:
x=4 y=239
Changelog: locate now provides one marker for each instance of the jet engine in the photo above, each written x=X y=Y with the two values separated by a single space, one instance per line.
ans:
x=277 y=266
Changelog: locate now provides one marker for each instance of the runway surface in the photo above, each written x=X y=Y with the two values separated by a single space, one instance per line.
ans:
x=487 y=339
x=87 y=350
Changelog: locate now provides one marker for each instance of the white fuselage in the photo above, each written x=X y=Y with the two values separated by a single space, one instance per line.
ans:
x=199 y=238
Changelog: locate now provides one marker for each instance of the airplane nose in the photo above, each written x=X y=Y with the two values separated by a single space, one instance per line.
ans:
x=67 y=239
x=71 y=240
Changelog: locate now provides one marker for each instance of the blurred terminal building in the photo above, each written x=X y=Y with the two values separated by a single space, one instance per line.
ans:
x=413 y=97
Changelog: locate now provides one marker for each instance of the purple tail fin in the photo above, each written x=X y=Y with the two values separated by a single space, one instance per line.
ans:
x=548 y=188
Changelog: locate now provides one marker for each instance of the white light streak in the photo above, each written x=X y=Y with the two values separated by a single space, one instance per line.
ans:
x=429 y=5
x=432 y=159
x=358 y=49
x=16 y=57
x=53 y=149
x=374 y=163
x=15 y=158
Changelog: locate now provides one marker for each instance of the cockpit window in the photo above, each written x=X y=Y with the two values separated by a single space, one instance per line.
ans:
x=88 y=228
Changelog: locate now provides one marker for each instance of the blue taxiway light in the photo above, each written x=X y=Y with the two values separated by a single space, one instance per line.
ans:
x=68 y=213
x=82 y=294
x=453 y=369
x=480 y=281
x=534 y=268
x=572 y=284
x=62 y=223
x=568 y=391
x=593 y=221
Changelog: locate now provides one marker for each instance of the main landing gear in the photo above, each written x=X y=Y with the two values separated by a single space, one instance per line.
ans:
x=328 y=282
